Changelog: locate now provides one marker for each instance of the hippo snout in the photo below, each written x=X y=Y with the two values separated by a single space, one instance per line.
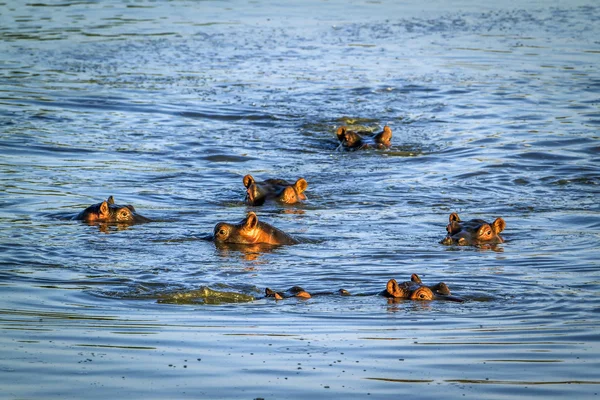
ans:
x=447 y=240
x=460 y=241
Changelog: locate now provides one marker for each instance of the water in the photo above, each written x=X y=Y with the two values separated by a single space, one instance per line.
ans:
x=167 y=105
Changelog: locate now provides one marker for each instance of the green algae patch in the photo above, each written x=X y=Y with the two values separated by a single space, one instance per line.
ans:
x=204 y=295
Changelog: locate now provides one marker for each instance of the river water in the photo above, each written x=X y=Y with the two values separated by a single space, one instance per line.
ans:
x=166 y=105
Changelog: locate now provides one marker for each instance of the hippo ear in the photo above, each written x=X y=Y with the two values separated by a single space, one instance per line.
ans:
x=392 y=287
x=251 y=220
x=385 y=136
x=498 y=225
x=454 y=217
x=104 y=208
x=395 y=290
x=341 y=133
x=387 y=131
x=300 y=185
x=415 y=278
x=248 y=180
x=111 y=200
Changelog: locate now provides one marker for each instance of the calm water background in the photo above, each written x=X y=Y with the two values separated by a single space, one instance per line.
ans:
x=168 y=104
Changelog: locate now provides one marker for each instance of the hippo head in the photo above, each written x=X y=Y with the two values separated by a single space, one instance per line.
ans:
x=473 y=232
x=401 y=291
x=109 y=212
x=416 y=290
x=349 y=138
x=353 y=140
x=250 y=231
x=278 y=189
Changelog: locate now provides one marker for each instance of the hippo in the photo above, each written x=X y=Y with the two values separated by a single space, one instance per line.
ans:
x=297 y=291
x=277 y=189
x=109 y=212
x=474 y=232
x=351 y=140
x=416 y=290
x=411 y=290
x=251 y=231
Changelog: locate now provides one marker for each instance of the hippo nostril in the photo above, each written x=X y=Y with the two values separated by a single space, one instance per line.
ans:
x=462 y=242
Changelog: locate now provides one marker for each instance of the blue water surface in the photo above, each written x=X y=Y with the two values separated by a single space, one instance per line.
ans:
x=166 y=105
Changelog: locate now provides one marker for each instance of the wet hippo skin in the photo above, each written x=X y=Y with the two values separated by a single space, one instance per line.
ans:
x=251 y=231
x=108 y=211
x=473 y=232
x=351 y=140
x=416 y=290
x=274 y=189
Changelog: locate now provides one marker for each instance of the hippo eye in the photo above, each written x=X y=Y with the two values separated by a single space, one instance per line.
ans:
x=222 y=232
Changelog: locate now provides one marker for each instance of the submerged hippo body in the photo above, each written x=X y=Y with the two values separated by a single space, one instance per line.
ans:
x=297 y=291
x=351 y=140
x=251 y=231
x=109 y=212
x=473 y=232
x=410 y=290
x=416 y=290
x=274 y=189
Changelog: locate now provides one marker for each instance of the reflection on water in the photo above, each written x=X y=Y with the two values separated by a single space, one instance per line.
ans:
x=249 y=252
x=494 y=111
x=108 y=227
